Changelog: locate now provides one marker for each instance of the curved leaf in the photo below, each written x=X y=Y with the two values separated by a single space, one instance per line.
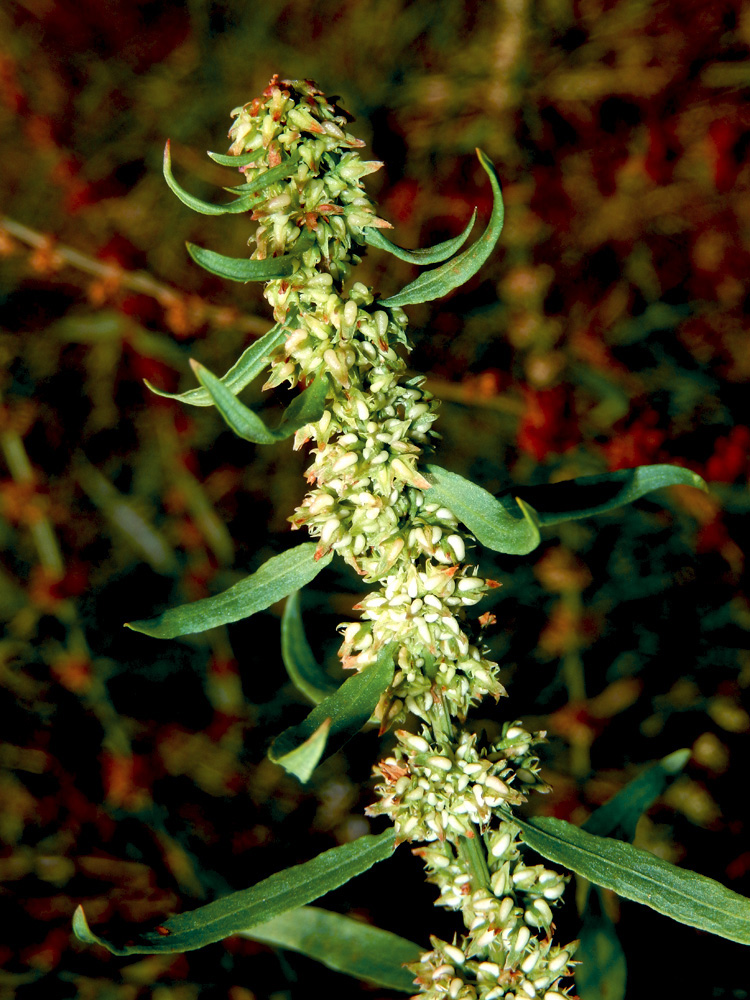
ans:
x=494 y=523
x=271 y=176
x=343 y=944
x=227 y=160
x=251 y=362
x=197 y=204
x=285 y=890
x=303 y=669
x=619 y=816
x=276 y=578
x=429 y=255
x=434 y=284
x=635 y=874
x=347 y=710
x=576 y=498
x=243 y=268
x=305 y=408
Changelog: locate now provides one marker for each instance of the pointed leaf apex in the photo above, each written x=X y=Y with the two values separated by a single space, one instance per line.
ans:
x=196 y=366
x=81 y=927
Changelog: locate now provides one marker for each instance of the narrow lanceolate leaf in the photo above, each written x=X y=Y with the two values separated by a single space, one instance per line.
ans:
x=251 y=363
x=589 y=495
x=619 y=817
x=347 y=709
x=434 y=284
x=240 y=911
x=268 y=177
x=508 y=526
x=244 y=269
x=343 y=944
x=255 y=187
x=275 y=579
x=304 y=671
x=428 y=255
x=678 y=893
x=227 y=160
x=305 y=408
x=197 y=204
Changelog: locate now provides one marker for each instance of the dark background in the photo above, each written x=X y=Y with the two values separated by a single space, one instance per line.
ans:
x=607 y=331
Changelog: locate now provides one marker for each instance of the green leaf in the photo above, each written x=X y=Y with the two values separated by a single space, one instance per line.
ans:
x=243 y=268
x=508 y=527
x=305 y=408
x=303 y=669
x=343 y=944
x=227 y=160
x=434 y=284
x=619 y=816
x=603 y=972
x=429 y=255
x=275 y=579
x=238 y=912
x=197 y=204
x=635 y=874
x=576 y=498
x=348 y=709
x=251 y=362
x=272 y=176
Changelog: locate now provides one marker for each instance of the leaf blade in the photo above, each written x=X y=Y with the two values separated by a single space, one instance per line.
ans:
x=239 y=911
x=198 y=204
x=678 y=893
x=348 y=709
x=428 y=255
x=443 y=279
x=243 y=268
x=624 y=809
x=306 y=408
x=275 y=579
x=349 y=946
x=250 y=363
x=303 y=669
x=587 y=496
x=488 y=519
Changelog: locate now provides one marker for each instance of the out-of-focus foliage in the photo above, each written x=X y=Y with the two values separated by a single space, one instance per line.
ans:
x=611 y=332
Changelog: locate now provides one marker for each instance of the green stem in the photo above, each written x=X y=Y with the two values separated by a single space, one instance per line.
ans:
x=471 y=850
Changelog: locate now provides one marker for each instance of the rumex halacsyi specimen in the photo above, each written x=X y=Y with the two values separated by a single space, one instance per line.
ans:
x=370 y=503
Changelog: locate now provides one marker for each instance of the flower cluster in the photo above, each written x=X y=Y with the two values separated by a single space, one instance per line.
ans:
x=439 y=789
x=512 y=965
x=369 y=502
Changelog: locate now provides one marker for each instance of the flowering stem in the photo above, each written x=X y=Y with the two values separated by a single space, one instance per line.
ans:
x=444 y=788
x=471 y=849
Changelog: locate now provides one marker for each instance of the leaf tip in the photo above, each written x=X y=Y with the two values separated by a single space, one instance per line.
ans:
x=81 y=927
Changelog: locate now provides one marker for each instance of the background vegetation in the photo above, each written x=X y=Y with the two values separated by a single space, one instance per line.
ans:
x=609 y=332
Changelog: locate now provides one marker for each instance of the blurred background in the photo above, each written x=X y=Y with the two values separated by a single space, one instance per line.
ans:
x=608 y=330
